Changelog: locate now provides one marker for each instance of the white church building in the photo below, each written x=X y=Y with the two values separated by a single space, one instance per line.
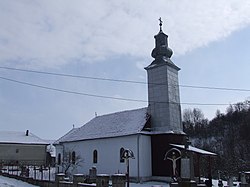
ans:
x=149 y=132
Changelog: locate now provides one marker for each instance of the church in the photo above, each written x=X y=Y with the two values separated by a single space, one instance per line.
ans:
x=148 y=132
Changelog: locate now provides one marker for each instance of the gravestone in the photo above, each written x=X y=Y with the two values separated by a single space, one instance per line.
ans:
x=230 y=182
x=243 y=178
x=92 y=174
x=243 y=181
x=185 y=169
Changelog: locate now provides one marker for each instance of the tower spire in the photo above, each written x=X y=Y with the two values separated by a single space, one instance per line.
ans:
x=161 y=53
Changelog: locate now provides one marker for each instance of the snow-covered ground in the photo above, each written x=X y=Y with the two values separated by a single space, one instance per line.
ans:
x=8 y=182
x=149 y=184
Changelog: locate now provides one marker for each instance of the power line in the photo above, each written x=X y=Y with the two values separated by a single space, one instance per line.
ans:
x=124 y=81
x=216 y=88
x=73 y=76
x=101 y=96
x=68 y=91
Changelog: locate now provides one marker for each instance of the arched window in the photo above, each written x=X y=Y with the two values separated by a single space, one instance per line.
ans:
x=121 y=151
x=69 y=157
x=59 y=159
x=73 y=157
x=95 y=156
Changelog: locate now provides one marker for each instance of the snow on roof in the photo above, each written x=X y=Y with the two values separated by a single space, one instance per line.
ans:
x=194 y=149
x=111 y=125
x=65 y=137
x=20 y=138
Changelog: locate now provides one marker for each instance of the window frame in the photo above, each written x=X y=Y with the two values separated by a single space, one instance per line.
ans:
x=59 y=159
x=95 y=156
x=122 y=160
x=73 y=157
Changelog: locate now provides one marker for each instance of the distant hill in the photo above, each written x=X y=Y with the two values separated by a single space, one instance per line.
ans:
x=227 y=134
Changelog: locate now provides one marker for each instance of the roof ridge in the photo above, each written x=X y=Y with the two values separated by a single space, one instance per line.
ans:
x=73 y=130
x=120 y=112
x=109 y=125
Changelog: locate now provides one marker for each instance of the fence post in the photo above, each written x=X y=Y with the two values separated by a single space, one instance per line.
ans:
x=59 y=177
x=102 y=180
x=118 y=180
x=78 y=178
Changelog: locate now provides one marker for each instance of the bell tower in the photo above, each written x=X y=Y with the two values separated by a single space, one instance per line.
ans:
x=163 y=88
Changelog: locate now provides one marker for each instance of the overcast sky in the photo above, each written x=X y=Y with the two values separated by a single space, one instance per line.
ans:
x=114 y=39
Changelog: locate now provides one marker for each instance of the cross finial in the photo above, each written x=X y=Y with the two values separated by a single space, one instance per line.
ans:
x=160 y=23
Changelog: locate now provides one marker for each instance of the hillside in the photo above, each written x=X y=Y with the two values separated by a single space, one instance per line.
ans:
x=227 y=134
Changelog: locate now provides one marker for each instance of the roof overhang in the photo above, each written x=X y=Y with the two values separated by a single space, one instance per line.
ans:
x=163 y=132
x=24 y=143
x=195 y=150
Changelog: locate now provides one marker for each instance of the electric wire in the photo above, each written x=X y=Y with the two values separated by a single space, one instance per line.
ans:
x=124 y=81
x=68 y=91
x=101 y=96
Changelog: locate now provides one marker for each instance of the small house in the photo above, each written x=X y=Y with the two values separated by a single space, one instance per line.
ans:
x=22 y=148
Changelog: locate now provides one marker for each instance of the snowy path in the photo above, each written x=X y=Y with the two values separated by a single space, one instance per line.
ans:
x=8 y=182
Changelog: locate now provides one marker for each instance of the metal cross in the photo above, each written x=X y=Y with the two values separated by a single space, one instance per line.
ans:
x=160 y=23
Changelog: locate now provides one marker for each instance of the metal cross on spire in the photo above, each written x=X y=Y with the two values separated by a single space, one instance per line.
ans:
x=160 y=24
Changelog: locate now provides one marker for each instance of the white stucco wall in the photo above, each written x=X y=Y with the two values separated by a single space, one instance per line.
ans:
x=109 y=154
x=145 y=160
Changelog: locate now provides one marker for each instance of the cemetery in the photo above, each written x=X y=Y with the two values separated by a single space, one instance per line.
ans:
x=180 y=158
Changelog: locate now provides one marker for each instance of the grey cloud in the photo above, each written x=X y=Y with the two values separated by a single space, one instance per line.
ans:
x=52 y=33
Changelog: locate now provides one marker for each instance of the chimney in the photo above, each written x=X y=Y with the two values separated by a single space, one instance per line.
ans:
x=27 y=133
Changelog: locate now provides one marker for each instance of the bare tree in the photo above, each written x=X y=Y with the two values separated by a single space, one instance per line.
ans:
x=187 y=116
x=198 y=115
x=71 y=161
